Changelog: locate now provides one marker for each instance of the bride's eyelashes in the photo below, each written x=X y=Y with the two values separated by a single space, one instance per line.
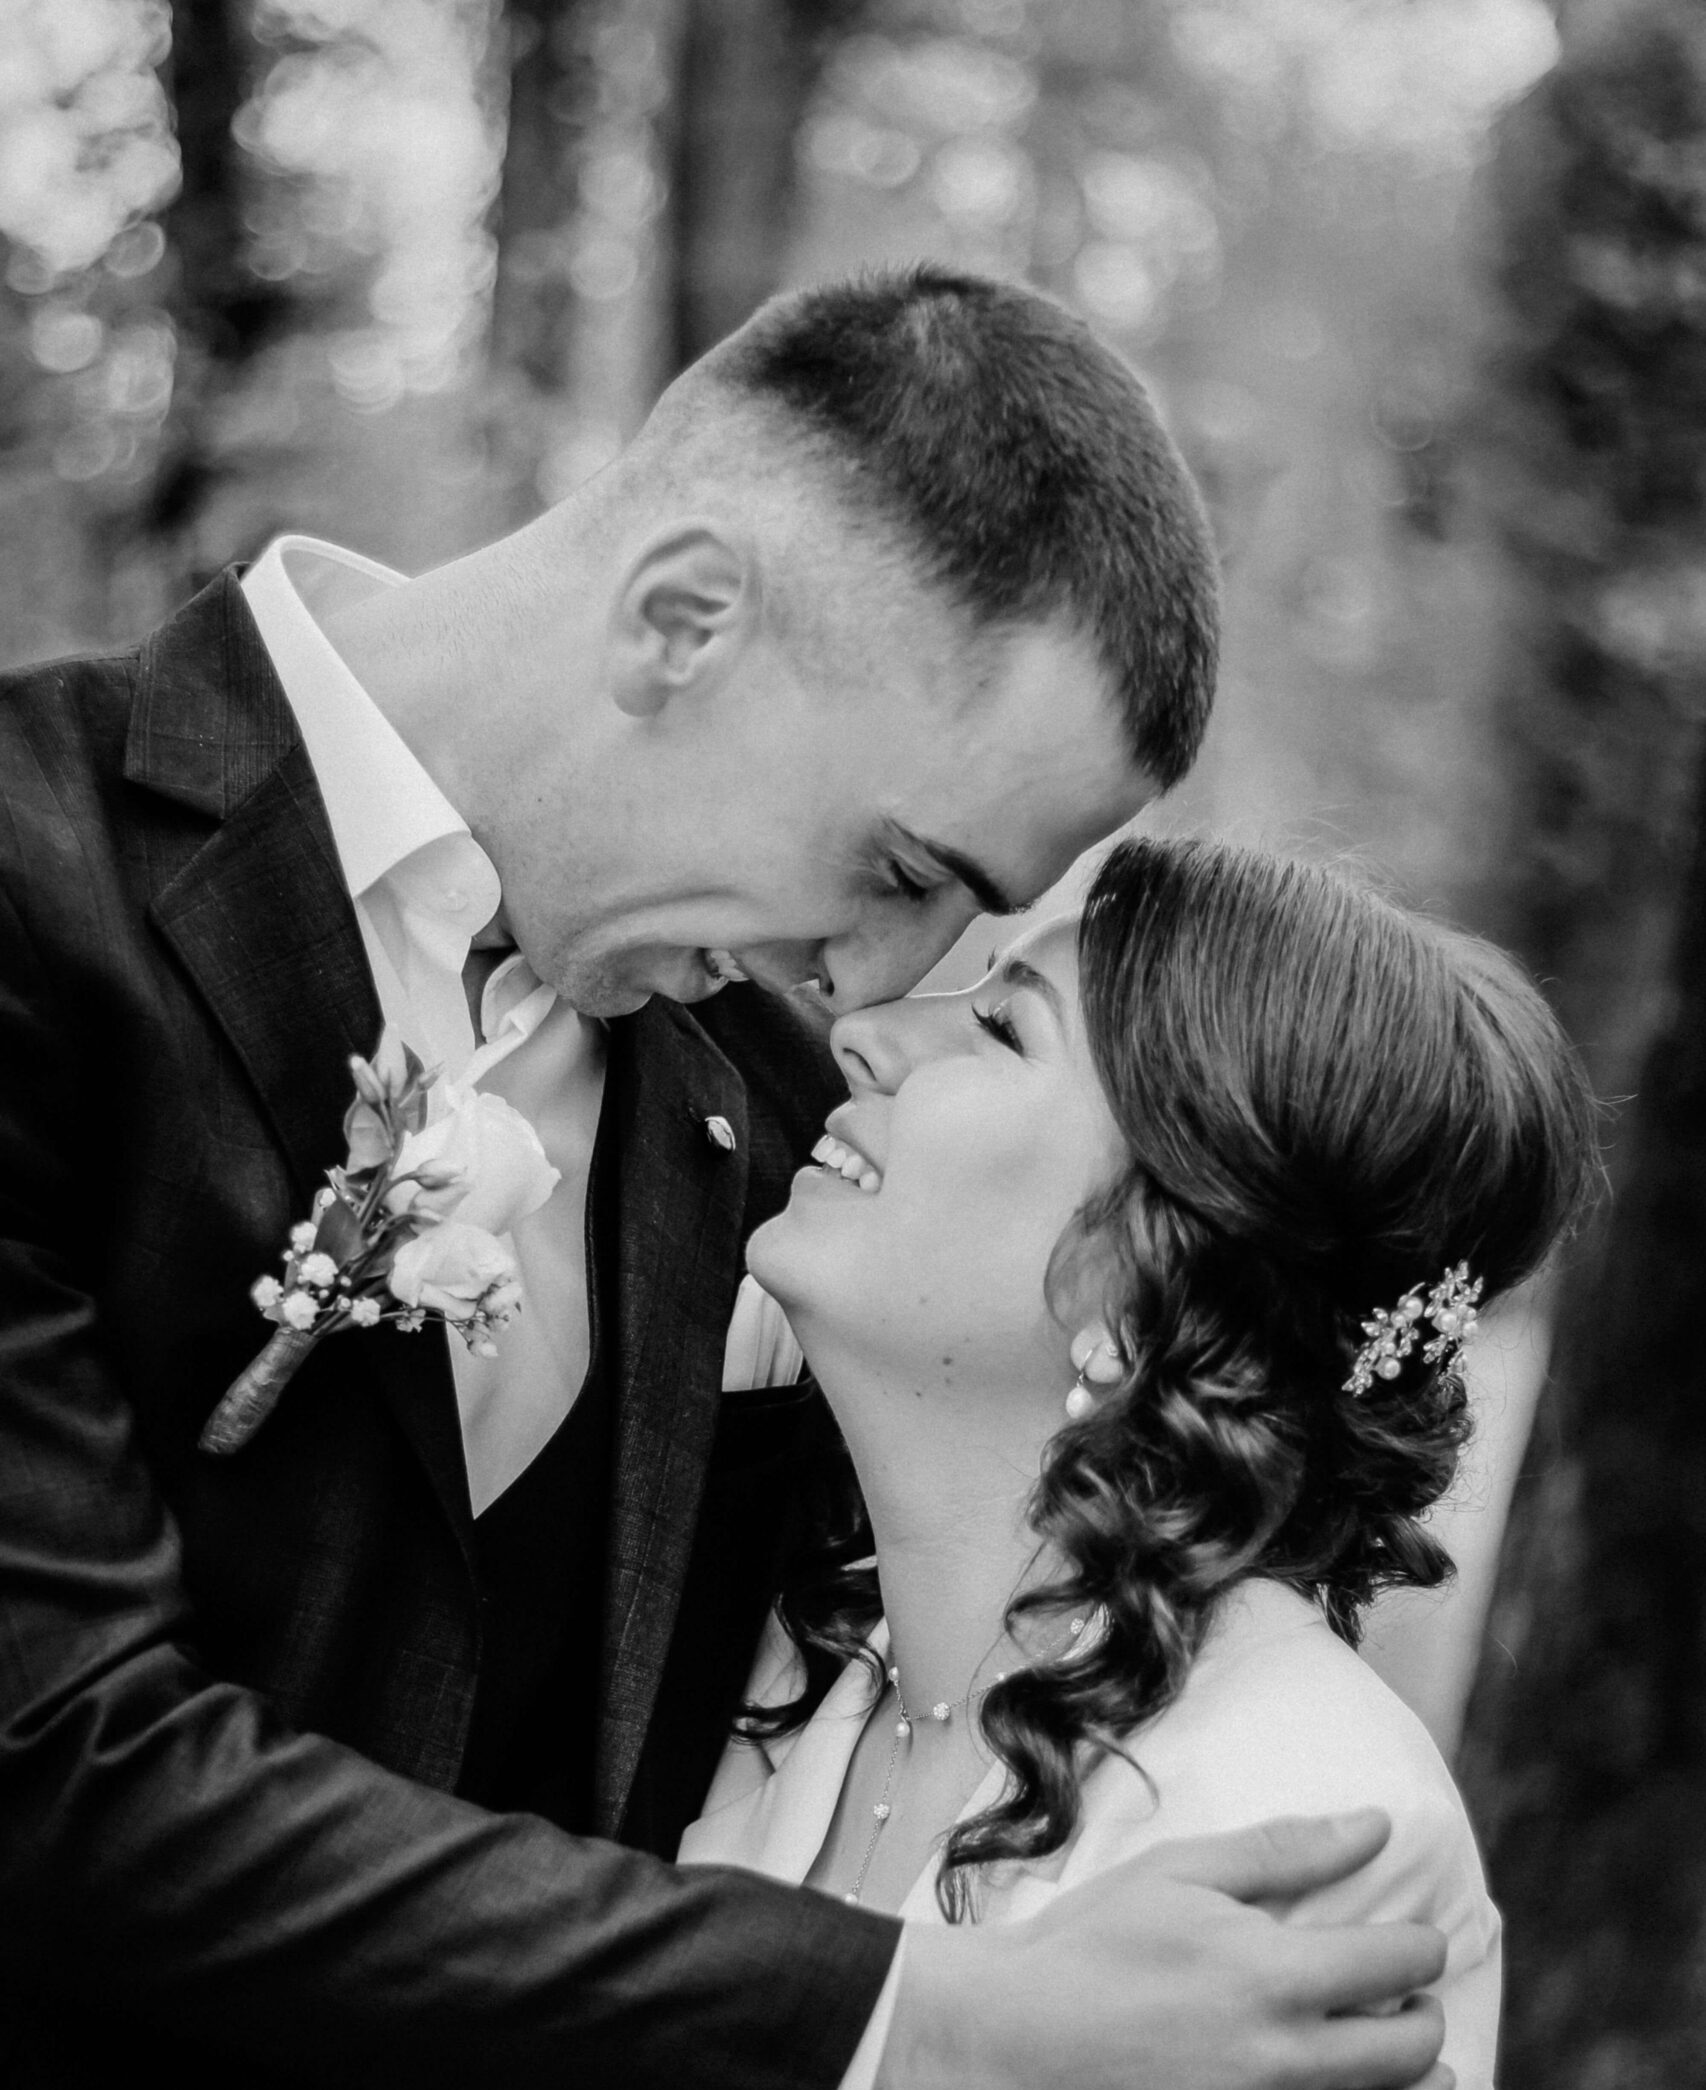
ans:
x=999 y=1025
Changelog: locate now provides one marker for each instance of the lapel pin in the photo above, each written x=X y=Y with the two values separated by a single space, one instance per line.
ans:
x=720 y=1133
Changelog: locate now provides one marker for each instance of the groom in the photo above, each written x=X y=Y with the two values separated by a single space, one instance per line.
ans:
x=342 y=1758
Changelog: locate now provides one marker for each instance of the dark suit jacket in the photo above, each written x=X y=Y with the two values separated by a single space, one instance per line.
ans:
x=234 y=1693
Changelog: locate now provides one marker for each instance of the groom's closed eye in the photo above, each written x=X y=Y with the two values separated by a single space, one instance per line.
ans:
x=950 y=863
x=900 y=880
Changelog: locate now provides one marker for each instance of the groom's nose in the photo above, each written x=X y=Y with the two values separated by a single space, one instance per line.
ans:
x=876 y=1048
x=881 y=962
x=853 y=971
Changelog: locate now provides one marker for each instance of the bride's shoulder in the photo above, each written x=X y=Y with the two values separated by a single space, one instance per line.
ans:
x=1279 y=1717
x=1272 y=1667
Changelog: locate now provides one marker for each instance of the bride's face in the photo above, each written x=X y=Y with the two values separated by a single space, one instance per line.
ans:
x=976 y=1129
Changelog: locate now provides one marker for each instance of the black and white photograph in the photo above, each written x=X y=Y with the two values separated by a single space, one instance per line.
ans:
x=853 y=1044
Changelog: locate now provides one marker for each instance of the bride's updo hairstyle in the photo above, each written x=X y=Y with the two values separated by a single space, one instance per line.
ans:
x=1324 y=1101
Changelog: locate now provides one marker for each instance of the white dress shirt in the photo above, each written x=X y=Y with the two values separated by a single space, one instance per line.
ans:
x=423 y=888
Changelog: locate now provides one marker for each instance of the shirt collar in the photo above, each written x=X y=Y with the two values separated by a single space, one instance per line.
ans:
x=380 y=802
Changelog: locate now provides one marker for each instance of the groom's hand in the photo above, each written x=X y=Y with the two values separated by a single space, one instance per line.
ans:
x=1166 y=1974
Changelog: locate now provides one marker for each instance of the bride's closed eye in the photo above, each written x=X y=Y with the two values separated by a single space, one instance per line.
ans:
x=999 y=1025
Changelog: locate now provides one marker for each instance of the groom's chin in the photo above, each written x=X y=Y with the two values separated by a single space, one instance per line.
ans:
x=618 y=986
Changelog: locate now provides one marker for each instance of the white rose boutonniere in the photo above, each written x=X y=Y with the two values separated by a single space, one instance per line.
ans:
x=459 y=1271
x=476 y=1159
x=408 y=1228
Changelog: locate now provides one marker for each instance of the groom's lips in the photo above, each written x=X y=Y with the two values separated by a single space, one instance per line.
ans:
x=688 y=976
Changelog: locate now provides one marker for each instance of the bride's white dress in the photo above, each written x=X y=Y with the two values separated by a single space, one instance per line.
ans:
x=1278 y=1716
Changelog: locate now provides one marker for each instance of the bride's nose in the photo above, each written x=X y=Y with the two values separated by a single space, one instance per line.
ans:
x=878 y=1047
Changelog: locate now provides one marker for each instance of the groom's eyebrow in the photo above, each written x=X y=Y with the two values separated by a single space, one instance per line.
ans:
x=971 y=874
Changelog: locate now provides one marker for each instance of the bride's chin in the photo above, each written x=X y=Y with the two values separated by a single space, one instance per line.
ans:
x=767 y=1257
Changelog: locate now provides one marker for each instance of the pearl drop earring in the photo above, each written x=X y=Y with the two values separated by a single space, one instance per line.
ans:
x=1099 y=1363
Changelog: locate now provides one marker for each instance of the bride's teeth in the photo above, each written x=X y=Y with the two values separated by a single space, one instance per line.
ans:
x=829 y=1153
x=724 y=966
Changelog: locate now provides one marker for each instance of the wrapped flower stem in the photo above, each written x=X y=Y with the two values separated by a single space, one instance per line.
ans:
x=254 y=1393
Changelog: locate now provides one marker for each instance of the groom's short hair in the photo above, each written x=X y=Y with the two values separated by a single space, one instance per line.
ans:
x=1021 y=460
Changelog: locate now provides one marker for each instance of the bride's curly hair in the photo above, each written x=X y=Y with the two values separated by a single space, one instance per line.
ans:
x=1324 y=1101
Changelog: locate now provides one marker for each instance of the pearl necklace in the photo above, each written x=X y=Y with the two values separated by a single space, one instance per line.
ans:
x=941 y=1712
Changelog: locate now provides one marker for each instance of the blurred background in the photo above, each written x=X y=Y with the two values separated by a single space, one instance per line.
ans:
x=1421 y=288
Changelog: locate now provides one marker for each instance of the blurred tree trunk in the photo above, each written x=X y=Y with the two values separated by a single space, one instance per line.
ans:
x=745 y=73
x=1587 y=1756
x=549 y=85
x=1585 y=1759
x=212 y=54
x=222 y=313
x=1594 y=442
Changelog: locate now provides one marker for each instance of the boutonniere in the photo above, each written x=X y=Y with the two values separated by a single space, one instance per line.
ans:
x=407 y=1231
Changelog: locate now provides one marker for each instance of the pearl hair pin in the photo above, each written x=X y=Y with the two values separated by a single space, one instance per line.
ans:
x=1393 y=1333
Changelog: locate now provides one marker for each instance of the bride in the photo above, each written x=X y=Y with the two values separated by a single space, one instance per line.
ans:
x=1136 y=1278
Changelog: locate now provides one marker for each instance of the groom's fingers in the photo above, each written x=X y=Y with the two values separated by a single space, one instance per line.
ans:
x=1275 y=1860
x=1378 y=2053
x=1359 y=1966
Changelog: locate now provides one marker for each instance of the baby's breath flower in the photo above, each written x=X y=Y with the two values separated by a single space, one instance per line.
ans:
x=266 y=1292
x=365 y=1313
x=318 y=1269
x=299 y=1310
x=501 y=1300
x=302 y=1236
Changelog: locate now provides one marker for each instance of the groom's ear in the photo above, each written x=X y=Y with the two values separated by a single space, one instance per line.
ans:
x=686 y=606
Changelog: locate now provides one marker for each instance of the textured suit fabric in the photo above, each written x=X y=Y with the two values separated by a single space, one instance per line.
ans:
x=234 y=1694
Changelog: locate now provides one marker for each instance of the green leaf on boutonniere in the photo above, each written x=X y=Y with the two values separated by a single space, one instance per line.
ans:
x=339 y=1232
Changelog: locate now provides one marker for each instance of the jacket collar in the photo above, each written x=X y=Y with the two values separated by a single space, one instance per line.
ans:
x=210 y=722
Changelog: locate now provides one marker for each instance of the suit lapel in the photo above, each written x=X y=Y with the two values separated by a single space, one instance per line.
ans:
x=680 y=1203
x=261 y=920
x=263 y=924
